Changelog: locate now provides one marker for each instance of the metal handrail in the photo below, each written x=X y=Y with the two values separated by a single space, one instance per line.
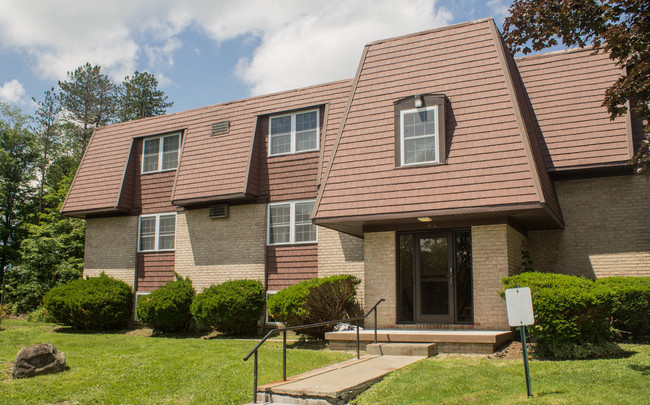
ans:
x=284 y=331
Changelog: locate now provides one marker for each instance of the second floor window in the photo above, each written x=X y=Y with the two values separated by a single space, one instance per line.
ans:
x=157 y=232
x=160 y=153
x=289 y=223
x=419 y=136
x=293 y=133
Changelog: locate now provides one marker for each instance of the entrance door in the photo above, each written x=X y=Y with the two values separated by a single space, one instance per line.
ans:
x=435 y=277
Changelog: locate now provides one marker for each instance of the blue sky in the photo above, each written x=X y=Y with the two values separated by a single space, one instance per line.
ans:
x=207 y=52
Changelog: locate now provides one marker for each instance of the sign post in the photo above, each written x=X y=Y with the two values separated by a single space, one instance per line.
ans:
x=519 y=304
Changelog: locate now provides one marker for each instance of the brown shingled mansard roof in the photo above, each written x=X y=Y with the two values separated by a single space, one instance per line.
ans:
x=494 y=164
x=212 y=168
x=508 y=124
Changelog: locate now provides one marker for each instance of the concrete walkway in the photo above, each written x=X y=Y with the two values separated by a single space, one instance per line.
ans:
x=335 y=384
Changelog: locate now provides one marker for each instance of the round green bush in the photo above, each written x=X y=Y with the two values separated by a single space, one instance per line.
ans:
x=233 y=307
x=316 y=300
x=97 y=303
x=167 y=309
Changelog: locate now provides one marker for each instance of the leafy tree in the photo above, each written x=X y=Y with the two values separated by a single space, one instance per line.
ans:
x=140 y=97
x=90 y=98
x=622 y=26
x=51 y=253
x=17 y=158
x=48 y=136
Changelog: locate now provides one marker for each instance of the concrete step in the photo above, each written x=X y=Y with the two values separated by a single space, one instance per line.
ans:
x=402 y=349
x=447 y=341
x=333 y=385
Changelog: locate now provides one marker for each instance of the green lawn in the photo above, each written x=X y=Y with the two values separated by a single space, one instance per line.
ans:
x=126 y=369
x=458 y=379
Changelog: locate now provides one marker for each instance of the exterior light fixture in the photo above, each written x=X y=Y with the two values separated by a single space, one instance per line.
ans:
x=418 y=101
x=425 y=219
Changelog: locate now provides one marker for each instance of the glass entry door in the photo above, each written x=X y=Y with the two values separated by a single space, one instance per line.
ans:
x=434 y=280
x=434 y=277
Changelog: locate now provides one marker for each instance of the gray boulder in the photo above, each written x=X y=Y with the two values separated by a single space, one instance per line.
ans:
x=37 y=360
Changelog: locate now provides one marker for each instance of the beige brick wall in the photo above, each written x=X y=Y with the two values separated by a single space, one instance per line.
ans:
x=607 y=229
x=380 y=276
x=211 y=251
x=111 y=245
x=496 y=253
x=339 y=253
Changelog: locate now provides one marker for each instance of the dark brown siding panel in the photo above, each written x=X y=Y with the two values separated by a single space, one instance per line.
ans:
x=154 y=270
x=289 y=265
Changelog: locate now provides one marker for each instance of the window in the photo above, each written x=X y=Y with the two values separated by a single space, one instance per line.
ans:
x=293 y=133
x=160 y=153
x=419 y=136
x=157 y=232
x=289 y=223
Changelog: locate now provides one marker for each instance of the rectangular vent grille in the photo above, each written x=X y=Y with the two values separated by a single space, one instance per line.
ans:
x=219 y=211
x=220 y=128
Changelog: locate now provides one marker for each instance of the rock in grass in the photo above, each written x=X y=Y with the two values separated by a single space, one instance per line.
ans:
x=37 y=360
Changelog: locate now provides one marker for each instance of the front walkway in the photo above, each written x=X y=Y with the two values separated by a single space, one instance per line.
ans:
x=335 y=384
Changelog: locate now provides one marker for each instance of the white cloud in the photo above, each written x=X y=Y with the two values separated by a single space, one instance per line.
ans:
x=499 y=9
x=300 y=42
x=12 y=92
x=326 y=43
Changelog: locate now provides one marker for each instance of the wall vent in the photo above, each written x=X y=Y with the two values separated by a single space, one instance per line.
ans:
x=221 y=127
x=219 y=211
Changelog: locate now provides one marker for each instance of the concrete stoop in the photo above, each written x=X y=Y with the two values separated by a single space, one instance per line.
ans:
x=402 y=349
x=337 y=384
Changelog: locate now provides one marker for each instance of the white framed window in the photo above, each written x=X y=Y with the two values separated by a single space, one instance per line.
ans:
x=160 y=153
x=419 y=136
x=289 y=223
x=157 y=232
x=294 y=133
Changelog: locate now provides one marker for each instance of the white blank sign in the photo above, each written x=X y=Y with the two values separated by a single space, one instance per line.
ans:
x=519 y=304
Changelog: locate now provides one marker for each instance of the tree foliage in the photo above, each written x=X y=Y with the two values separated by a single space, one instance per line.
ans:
x=622 y=27
x=90 y=97
x=48 y=136
x=141 y=98
x=17 y=157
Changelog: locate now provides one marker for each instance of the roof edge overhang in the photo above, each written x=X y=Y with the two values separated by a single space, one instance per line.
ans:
x=202 y=201
x=535 y=215
x=590 y=170
x=96 y=211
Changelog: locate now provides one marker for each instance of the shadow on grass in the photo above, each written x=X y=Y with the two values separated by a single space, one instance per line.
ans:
x=645 y=370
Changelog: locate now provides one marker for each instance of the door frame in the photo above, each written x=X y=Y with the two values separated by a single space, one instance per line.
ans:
x=452 y=317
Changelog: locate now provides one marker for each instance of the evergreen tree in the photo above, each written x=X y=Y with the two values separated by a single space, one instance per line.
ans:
x=141 y=98
x=90 y=98
x=48 y=136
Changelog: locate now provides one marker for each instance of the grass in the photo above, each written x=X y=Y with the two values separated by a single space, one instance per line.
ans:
x=461 y=379
x=116 y=368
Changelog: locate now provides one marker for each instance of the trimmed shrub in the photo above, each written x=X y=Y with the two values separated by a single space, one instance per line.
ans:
x=167 y=309
x=631 y=314
x=233 y=307
x=40 y=315
x=316 y=300
x=572 y=315
x=96 y=303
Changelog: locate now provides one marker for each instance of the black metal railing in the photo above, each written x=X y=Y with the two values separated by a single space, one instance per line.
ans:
x=307 y=326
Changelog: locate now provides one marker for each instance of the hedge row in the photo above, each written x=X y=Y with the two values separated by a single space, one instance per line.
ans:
x=103 y=303
x=579 y=318
x=233 y=307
